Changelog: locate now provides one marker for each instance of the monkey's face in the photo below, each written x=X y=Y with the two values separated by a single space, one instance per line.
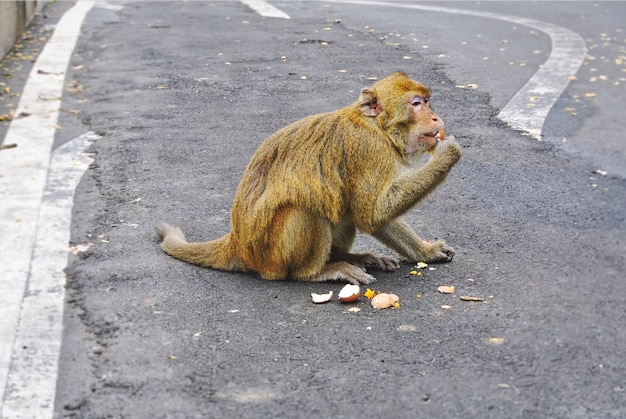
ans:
x=425 y=125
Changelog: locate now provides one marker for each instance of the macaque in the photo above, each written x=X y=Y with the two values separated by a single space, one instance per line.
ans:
x=313 y=183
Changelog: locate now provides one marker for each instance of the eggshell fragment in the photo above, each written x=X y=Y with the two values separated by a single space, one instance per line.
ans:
x=321 y=298
x=384 y=300
x=446 y=290
x=349 y=293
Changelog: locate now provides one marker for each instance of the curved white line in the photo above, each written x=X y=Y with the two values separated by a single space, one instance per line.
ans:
x=545 y=86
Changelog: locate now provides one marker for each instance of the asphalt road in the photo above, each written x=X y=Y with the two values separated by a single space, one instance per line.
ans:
x=181 y=94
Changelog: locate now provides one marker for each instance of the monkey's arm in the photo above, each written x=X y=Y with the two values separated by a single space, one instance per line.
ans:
x=405 y=191
x=399 y=236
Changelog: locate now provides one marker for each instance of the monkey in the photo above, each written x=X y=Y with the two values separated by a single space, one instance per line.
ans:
x=312 y=184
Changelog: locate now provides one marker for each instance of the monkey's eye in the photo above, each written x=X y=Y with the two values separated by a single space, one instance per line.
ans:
x=417 y=100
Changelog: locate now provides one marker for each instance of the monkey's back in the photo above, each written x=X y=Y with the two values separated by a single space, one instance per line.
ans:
x=318 y=163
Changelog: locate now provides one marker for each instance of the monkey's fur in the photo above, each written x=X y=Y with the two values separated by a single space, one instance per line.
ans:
x=310 y=185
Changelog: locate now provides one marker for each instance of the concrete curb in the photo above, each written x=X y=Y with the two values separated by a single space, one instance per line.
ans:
x=14 y=18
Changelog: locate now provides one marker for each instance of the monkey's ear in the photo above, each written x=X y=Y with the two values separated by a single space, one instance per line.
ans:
x=370 y=106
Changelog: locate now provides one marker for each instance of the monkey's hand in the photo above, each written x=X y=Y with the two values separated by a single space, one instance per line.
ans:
x=448 y=148
x=438 y=251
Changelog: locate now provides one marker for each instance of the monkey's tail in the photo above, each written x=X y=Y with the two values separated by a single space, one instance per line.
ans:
x=216 y=254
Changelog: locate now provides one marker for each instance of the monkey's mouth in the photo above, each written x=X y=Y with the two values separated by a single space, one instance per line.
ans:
x=429 y=135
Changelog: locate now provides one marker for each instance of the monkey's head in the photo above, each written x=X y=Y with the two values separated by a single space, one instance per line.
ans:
x=401 y=108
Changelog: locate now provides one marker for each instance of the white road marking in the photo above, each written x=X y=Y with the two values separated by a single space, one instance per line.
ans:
x=31 y=382
x=265 y=9
x=23 y=174
x=545 y=86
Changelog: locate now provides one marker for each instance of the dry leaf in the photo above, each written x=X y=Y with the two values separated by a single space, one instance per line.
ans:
x=79 y=248
x=468 y=298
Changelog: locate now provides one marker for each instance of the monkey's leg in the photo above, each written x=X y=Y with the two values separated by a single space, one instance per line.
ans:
x=365 y=260
x=301 y=244
x=399 y=236
x=343 y=236
x=342 y=271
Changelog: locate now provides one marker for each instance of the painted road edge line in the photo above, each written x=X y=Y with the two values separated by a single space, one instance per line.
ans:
x=265 y=9
x=31 y=382
x=23 y=173
x=529 y=108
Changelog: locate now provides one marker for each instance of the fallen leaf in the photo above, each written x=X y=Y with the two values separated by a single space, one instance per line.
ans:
x=468 y=298
x=79 y=248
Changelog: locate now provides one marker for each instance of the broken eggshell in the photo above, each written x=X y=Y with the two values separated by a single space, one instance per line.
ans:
x=384 y=300
x=349 y=293
x=321 y=298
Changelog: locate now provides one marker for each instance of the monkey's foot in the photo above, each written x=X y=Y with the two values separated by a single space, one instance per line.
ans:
x=343 y=271
x=438 y=251
x=369 y=260
x=384 y=263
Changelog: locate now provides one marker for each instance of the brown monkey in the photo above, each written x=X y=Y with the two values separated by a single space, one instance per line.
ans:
x=312 y=184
